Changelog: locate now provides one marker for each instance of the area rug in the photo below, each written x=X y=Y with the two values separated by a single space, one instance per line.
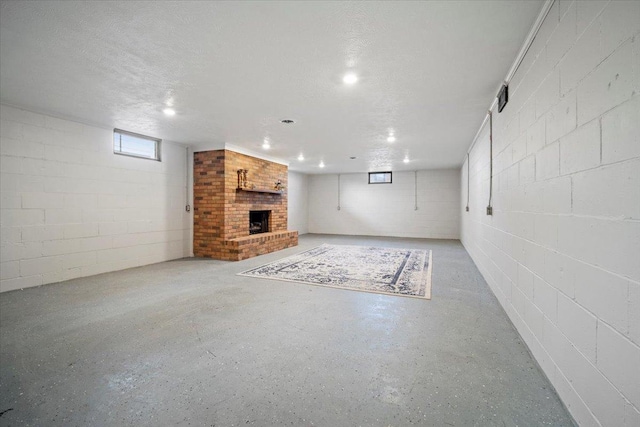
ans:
x=391 y=271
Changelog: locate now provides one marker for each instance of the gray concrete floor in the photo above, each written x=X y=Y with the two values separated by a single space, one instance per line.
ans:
x=190 y=343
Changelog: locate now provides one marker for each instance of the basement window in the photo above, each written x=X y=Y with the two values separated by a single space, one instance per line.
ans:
x=380 y=178
x=136 y=145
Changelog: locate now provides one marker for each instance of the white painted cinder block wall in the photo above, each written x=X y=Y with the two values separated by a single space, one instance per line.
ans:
x=562 y=249
x=72 y=208
x=387 y=209
x=298 y=202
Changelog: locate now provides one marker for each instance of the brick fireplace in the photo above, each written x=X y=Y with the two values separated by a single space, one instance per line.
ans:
x=227 y=208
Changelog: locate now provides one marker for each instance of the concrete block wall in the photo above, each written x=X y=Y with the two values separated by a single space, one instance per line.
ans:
x=71 y=208
x=387 y=209
x=562 y=249
x=298 y=209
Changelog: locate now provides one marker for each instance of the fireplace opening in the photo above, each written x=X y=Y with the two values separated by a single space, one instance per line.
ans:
x=258 y=222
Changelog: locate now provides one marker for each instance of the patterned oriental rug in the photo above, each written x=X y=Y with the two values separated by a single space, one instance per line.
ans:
x=391 y=271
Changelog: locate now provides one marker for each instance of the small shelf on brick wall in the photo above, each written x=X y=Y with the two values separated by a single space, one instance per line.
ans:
x=259 y=190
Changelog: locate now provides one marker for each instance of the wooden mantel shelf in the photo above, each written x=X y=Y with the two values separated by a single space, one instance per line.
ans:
x=259 y=190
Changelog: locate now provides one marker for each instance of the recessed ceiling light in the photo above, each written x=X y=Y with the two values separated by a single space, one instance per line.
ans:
x=301 y=157
x=169 y=111
x=265 y=144
x=406 y=160
x=350 y=78
x=321 y=164
x=287 y=121
x=391 y=138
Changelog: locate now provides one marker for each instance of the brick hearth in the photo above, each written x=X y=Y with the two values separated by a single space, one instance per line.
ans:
x=221 y=212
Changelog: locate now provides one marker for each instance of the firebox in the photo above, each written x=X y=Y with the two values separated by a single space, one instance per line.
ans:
x=258 y=222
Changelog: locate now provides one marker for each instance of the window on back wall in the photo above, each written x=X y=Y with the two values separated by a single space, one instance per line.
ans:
x=135 y=145
x=380 y=178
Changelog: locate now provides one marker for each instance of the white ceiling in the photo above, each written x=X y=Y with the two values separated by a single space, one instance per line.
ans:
x=233 y=70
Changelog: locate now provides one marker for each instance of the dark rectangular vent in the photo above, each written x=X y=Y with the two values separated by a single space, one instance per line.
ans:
x=503 y=98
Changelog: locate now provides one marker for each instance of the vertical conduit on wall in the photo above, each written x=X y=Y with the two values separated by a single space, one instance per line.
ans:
x=514 y=68
x=468 y=182
x=490 y=207
x=338 y=191
x=186 y=184
x=415 y=187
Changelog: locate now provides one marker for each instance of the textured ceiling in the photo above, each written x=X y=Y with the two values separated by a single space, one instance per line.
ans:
x=233 y=70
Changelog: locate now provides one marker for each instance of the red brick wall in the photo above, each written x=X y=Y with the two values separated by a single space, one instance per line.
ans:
x=263 y=175
x=221 y=213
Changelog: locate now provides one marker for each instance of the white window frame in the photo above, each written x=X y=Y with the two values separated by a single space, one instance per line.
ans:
x=157 y=141
x=381 y=182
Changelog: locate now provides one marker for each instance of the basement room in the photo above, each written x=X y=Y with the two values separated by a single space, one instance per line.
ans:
x=327 y=213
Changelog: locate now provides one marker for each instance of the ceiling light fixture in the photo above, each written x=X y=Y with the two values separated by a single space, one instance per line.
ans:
x=300 y=158
x=287 y=121
x=350 y=78
x=406 y=160
x=169 y=111
x=265 y=144
x=391 y=138
x=321 y=164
